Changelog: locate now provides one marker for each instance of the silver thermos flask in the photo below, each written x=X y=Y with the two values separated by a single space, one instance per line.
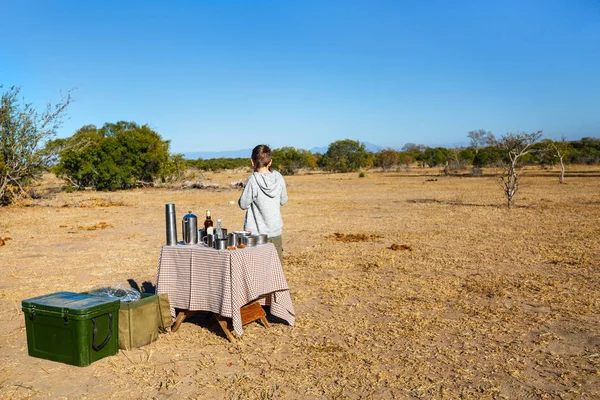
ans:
x=190 y=228
x=171 y=224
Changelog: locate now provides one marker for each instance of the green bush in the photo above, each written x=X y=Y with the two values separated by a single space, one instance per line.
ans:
x=117 y=156
x=345 y=156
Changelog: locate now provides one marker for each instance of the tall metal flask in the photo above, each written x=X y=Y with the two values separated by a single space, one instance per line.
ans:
x=190 y=228
x=171 y=224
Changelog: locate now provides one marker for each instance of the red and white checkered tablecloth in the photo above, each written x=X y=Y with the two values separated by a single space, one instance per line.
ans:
x=200 y=278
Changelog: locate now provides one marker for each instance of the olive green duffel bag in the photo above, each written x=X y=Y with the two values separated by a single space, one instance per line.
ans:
x=142 y=320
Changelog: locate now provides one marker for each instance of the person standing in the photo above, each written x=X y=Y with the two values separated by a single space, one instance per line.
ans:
x=263 y=195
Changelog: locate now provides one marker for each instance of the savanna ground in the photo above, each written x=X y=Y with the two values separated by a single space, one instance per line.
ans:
x=406 y=285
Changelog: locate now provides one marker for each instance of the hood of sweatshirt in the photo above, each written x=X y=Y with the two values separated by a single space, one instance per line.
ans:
x=269 y=183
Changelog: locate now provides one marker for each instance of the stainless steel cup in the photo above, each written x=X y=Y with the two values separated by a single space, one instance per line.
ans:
x=231 y=240
x=209 y=240
x=221 y=244
x=240 y=237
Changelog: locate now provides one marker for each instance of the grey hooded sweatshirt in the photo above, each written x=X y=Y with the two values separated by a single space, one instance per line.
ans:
x=264 y=194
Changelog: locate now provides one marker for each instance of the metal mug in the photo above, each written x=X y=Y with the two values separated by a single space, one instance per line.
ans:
x=209 y=240
x=232 y=240
x=240 y=237
x=221 y=244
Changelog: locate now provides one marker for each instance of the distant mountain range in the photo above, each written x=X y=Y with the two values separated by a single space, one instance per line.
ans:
x=245 y=153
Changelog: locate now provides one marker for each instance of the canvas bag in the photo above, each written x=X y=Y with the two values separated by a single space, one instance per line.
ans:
x=142 y=320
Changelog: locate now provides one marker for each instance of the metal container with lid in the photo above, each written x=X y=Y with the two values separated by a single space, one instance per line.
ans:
x=190 y=228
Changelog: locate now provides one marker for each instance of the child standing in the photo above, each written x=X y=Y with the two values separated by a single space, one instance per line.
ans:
x=263 y=195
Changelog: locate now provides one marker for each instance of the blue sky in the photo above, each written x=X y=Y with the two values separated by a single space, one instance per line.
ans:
x=226 y=75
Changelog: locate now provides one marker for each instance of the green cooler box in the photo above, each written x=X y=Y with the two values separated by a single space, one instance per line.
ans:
x=73 y=328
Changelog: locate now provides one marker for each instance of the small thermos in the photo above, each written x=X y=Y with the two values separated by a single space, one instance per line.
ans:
x=171 y=224
x=190 y=228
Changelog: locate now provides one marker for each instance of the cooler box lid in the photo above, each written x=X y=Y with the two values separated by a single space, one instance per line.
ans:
x=76 y=304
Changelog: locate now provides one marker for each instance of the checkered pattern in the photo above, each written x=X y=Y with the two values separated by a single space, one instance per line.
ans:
x=197 y=277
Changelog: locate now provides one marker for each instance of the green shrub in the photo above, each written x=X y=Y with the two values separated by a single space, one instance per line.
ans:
x=117 y=156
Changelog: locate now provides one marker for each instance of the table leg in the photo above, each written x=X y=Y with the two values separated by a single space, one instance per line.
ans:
x=223 y=323
x=183 y=314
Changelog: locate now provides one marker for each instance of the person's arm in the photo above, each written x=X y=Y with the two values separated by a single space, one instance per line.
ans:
x=247 y=196
x=284 y=195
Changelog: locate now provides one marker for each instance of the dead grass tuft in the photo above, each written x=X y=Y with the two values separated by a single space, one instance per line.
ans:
x=99 y=225
x=352 y=237
x=397 y=247
x=95 y=202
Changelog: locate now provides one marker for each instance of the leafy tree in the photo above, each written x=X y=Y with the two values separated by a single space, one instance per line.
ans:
x=488 y=156
x=117 y=156
x=288 y=160
x=24 y=134
x=406 y=159
x=585 y=151
x=345 y=156
x=458 y=159
x=435 y=156
x=387 y=159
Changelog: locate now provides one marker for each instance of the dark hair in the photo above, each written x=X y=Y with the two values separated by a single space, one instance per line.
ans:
x=261 y=155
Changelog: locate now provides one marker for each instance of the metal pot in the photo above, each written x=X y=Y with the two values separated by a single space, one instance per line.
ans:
x=262 y=239
x=189 y=227
x=250 y=240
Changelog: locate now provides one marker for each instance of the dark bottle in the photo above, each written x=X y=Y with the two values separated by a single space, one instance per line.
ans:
x=208 y=224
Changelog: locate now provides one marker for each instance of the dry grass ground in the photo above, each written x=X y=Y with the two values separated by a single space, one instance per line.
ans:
x=406 y=285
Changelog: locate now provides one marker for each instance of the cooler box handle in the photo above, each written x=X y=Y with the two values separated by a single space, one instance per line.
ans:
x=95 y=331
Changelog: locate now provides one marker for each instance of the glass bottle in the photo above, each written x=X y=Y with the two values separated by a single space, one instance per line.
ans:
x=219 y=230
x=208 y=224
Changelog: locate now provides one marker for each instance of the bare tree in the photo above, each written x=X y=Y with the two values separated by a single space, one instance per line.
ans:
x=23 y=136
x=561 y=149
x=479 y=138
x=515 y=146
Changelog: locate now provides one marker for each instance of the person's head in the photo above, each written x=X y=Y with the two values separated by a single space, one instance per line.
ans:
x=261 y=156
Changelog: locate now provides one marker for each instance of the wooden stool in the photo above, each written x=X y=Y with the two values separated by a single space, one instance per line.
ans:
x=249 y=313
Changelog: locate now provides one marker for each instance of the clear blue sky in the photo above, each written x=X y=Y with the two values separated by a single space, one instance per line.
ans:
x=226 y=75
